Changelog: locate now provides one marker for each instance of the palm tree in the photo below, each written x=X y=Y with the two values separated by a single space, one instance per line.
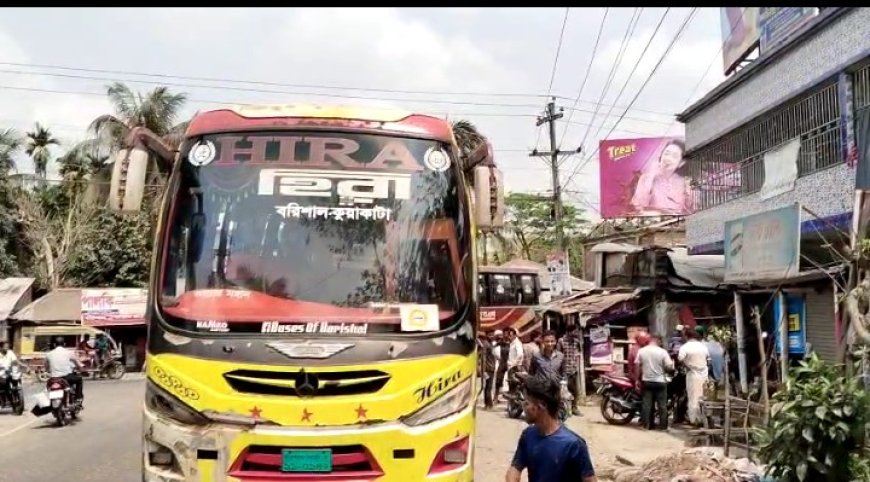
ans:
x=37 y=146
x=9 y=143
x=467 y=137
x=157 y=110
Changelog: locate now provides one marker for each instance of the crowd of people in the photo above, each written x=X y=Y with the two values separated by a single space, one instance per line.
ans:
x=549 y=450
x=503 y=354
x=690 y=361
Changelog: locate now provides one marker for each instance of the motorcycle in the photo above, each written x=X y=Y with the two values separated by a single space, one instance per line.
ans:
x=64 y=406
x=622 y=399
x=516 y=399
x=11 y=392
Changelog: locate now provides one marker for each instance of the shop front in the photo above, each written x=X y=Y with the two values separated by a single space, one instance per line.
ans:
x=121 y=313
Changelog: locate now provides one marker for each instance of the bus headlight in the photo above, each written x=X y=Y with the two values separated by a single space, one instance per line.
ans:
x=160 y=401
x=451 y=402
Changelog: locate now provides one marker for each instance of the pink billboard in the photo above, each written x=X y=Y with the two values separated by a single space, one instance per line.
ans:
x=644 y=177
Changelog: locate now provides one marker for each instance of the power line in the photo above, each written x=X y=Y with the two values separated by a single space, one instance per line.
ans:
x=265 y=83
x=558 y=50
x=634 y=69
x=226 y=102
x=707 y=72
x=585 y=76
x=661 y=60
x=632 y=24
x=555 y=66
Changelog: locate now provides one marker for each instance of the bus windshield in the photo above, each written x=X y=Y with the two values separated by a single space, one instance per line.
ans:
x=316 y=233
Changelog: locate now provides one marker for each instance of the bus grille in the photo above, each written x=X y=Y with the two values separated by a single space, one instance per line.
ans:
x=263 y=462
x=307 y=384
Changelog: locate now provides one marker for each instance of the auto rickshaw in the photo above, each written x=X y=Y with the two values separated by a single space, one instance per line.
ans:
x=31 y=343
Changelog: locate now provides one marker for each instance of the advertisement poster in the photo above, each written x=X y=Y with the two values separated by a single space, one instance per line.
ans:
x=739 y=33
x=601 y=354
x=644 y=177
x=558 y=268
x=776 y=24
x=763 y=246
x=113 y=306
x=797 y=337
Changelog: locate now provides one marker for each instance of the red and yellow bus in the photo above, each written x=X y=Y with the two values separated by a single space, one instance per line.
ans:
x=313 y=302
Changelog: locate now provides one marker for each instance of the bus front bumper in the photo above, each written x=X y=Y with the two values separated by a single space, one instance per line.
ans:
x=387 y=452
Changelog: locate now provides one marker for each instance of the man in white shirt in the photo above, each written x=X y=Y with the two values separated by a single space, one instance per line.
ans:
x=515 y=356
x=7 y=356
x=654 y=362
x=61 y=363
x=695 y=357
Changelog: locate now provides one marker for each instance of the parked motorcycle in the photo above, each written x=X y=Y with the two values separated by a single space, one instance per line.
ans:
x=622 y=400
x=11 y=391
x=61 y=396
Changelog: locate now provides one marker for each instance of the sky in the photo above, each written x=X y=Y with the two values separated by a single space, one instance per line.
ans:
x=492 y=67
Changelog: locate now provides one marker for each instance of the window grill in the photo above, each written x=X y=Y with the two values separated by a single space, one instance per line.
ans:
x=733 y=166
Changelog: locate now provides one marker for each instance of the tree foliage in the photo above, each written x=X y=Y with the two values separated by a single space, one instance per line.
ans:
x=37 y=145
x=531 y=225
x=817 y=426
x=119 y=252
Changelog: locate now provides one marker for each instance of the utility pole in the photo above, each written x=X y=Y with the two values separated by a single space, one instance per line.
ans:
x=550 y=116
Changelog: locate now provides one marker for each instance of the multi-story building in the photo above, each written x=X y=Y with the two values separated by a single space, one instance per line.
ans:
x=780 y=133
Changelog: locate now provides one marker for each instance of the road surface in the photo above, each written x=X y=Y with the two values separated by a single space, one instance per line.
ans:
x=104 y=446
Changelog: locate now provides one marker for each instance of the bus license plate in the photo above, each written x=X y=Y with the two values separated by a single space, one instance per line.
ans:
x=308 y=460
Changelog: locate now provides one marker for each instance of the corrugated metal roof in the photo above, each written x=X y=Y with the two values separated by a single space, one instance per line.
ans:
x=591 y=303
x=63 y=304
x=13 y=293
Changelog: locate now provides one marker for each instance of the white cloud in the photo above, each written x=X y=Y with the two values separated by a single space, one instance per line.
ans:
x=457 y=50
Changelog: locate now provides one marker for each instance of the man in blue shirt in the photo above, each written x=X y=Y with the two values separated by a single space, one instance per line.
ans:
x=550 y=451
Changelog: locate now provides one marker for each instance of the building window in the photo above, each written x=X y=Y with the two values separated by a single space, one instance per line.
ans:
x=733 y=166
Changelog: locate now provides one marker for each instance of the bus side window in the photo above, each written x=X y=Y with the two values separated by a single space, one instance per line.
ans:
x=502 y=290
x=529 y=290
x=483 y=289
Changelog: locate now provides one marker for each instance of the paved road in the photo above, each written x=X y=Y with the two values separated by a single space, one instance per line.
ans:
x=104 y=446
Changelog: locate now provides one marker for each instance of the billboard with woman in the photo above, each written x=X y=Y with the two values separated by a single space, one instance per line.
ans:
x=644 y=177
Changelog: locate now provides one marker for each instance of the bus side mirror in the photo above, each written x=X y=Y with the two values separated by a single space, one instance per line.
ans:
x=488 y=197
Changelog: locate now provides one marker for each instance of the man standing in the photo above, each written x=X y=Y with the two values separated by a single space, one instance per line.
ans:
x=530 y=349
x=571 y=345
x=515 y=356
x=549 y=362
x=550 y=451
x=717 y=355
x=488 y=368
x=653 y=363
x=694 y=356
x=640 y=341
x=502 y=351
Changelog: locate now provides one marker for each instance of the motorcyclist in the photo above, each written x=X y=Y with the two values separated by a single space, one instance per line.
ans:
x=62 y=363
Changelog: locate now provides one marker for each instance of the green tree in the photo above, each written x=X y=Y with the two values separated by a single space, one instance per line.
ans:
x=37 y=145
x=10 y=141
x=119 y=251
x=9 y=144
x=157 y=110
x=530 y=223
x=817 y=427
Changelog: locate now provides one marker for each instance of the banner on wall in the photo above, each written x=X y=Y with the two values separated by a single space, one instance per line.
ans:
x=765 y=246
x=797 y=334
x=740 y=34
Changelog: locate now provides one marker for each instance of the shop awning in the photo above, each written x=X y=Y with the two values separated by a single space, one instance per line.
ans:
x=14 y=294
x=595 y=304
x=60 y=305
